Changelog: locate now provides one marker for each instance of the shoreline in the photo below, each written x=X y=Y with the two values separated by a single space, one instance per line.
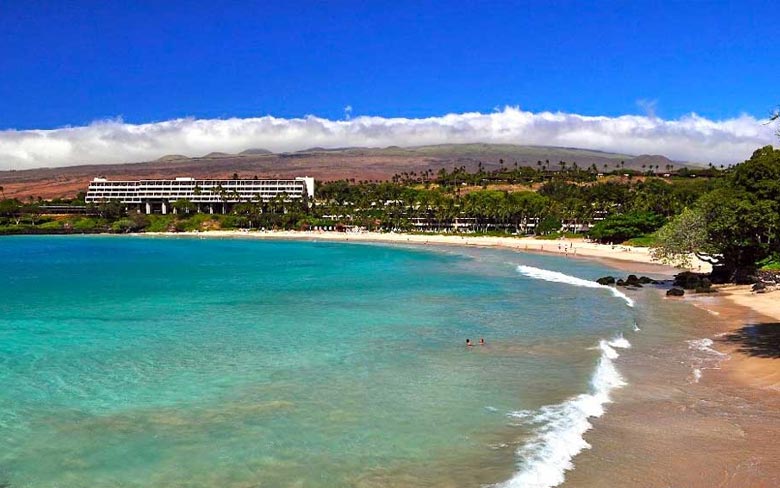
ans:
x=626 y=258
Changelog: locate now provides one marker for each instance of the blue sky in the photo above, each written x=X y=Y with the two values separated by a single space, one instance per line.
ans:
x=69 y=63
x=91 y=82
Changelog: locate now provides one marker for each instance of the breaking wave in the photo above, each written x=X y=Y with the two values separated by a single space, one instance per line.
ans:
x=559 y=429
x=556 y=277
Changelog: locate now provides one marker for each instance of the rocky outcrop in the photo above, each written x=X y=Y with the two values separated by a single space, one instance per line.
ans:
x=631 y=280
x=698 y=282
x=769 y=277
x=606 y=280
x=689 y=280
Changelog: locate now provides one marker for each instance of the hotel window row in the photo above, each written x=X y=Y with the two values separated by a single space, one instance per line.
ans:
x=161 y=193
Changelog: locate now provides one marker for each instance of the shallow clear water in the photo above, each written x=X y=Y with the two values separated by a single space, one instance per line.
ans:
x=207 y=362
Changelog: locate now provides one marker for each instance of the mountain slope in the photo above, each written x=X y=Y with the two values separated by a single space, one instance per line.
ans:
x=324 y=164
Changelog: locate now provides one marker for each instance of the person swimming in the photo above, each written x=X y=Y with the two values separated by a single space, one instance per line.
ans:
x=468 y=343
x=481 y=341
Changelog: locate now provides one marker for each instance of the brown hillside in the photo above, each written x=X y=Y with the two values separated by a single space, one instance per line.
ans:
x=323 y=164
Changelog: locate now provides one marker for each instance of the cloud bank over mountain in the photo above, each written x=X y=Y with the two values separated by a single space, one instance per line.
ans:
x=689 y=138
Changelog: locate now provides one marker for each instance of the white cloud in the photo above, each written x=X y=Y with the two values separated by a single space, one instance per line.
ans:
x=689 y=138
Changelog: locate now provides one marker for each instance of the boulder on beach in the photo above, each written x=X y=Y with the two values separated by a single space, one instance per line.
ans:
x=633 y=280
x=689 y=280
x=606 y=280
x=675 y=292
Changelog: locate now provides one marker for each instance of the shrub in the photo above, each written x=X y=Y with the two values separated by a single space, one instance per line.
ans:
x=197 y=222
x=621 y=227
x=52 y=225
x=122 y=225
x=86 y=224
x=160 y=223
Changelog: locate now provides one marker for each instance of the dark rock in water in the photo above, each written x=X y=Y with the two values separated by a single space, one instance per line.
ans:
x=759 y=287
x=606 y=280
x=675 y=292
x=632 y=280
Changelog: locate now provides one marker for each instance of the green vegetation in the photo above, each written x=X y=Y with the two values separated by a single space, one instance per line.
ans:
x=643 y=241
x=728 y=216
x=622 y=227
x=771 y=265
x=735 y=225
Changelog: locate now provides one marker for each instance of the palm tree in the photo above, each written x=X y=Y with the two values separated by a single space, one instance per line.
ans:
x=219 y=190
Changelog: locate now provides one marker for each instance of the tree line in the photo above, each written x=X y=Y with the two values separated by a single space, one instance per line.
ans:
x=726 y=215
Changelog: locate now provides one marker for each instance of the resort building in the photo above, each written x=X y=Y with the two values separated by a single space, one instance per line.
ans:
x=158 y=196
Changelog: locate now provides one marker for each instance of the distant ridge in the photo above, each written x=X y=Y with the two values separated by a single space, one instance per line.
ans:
x=171 y=157
x=360 y=163
x=249 y=152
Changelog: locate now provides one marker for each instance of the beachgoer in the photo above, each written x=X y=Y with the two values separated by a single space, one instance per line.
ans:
x=468 y=343
x=481 y=341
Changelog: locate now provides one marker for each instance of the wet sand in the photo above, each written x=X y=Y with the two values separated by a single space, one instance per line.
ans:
x=670 y=428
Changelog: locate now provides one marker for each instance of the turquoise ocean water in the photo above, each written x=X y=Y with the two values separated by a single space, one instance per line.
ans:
x=128 y=361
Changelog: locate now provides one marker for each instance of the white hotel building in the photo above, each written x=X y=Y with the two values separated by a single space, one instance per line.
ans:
x=208 y=195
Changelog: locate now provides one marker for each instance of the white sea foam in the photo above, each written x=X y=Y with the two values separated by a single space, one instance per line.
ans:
x=636 y=327
x=556 y=277
x=704 y=357
x=704 y=345
x=620 y=342
x=559 y=429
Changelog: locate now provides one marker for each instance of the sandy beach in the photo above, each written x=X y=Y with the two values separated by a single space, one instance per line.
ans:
x=575 y=248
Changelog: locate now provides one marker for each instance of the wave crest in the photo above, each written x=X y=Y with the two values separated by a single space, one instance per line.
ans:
x=557 y=277
x=560 y=428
